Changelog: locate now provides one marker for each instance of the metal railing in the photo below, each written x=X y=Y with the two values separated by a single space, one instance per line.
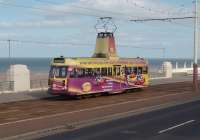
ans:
x=6 y=86
x=39 y=83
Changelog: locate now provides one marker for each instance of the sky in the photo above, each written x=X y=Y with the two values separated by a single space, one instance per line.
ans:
x=50 y=28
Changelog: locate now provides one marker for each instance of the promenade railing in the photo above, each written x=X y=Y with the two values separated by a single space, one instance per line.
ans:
x=6 y=86
x=39 y=83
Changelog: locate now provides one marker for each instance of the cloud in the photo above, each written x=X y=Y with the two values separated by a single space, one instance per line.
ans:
x=116 y=8
x=8 y=1
x=37 y=24
x=7 y=35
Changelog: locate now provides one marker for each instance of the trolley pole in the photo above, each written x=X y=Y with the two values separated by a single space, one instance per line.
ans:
x=196 y=44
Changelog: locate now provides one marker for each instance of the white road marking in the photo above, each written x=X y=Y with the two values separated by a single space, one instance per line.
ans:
x=176 y=126
x=158 y=78
x=89 y=109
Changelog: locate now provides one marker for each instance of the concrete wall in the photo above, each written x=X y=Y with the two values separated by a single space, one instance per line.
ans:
x=167 y=69
x=20 y=75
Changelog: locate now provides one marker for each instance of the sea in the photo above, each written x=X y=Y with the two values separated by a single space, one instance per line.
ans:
x=41 y=65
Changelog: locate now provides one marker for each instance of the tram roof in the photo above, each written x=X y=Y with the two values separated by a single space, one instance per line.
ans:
x=90 y=61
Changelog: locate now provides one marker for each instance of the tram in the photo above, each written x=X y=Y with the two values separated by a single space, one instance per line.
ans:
x=104 y=72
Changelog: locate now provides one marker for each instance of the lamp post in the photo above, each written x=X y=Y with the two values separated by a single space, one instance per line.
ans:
x=196 y=44
x=9 y=51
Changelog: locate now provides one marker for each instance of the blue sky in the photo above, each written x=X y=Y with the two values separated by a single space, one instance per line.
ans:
x=53 y=21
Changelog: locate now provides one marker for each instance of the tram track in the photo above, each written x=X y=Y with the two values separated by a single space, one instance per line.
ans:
x=92 y=108
x=55 y=105
x=41 y=114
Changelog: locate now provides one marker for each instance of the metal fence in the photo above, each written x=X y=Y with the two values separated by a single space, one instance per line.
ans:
x=6 y=86
x=39 y=83
x=34 y=84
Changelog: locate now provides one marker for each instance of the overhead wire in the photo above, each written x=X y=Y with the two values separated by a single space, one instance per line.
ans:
x=134 y=4
x=47 y=10
x=85 y=8
x=94 y=15
x=77 y=44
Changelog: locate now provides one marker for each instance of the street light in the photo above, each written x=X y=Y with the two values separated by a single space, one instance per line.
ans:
x=9 y=51
x=196 y=44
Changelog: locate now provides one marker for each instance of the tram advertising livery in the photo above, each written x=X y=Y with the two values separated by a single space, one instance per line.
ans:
x=104 y=72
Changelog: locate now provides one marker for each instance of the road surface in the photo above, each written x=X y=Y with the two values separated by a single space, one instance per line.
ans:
x=33 y=118
x=176 y=123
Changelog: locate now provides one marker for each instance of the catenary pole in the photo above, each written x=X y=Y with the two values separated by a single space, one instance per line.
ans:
x=196 y=44
x=9 y=51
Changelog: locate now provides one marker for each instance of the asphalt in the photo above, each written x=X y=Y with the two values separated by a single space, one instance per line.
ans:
x=176 y=123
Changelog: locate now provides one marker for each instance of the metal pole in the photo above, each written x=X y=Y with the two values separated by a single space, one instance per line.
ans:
x=9 y=51
x=9 y=59
x=196 y=43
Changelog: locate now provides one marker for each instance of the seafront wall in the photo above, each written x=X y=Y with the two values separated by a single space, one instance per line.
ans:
x=20 y=84
x=18 y=78
x=35 y=85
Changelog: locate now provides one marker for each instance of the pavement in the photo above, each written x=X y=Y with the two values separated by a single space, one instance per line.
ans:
x=180 y=122
x=176 y=78
x=36 y=94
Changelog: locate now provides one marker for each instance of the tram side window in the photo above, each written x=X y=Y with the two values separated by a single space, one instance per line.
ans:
x=134 y=70
x=128 y=70
x=55 y=72
x=117 y=71
x=73 y=73
x=109 y=71
x=88 y=72
x=96 y=71
x=58 y=72
x=104 y=71
x=63 y=72
x=139 y=70
x=145 y=70
x=81 y=73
